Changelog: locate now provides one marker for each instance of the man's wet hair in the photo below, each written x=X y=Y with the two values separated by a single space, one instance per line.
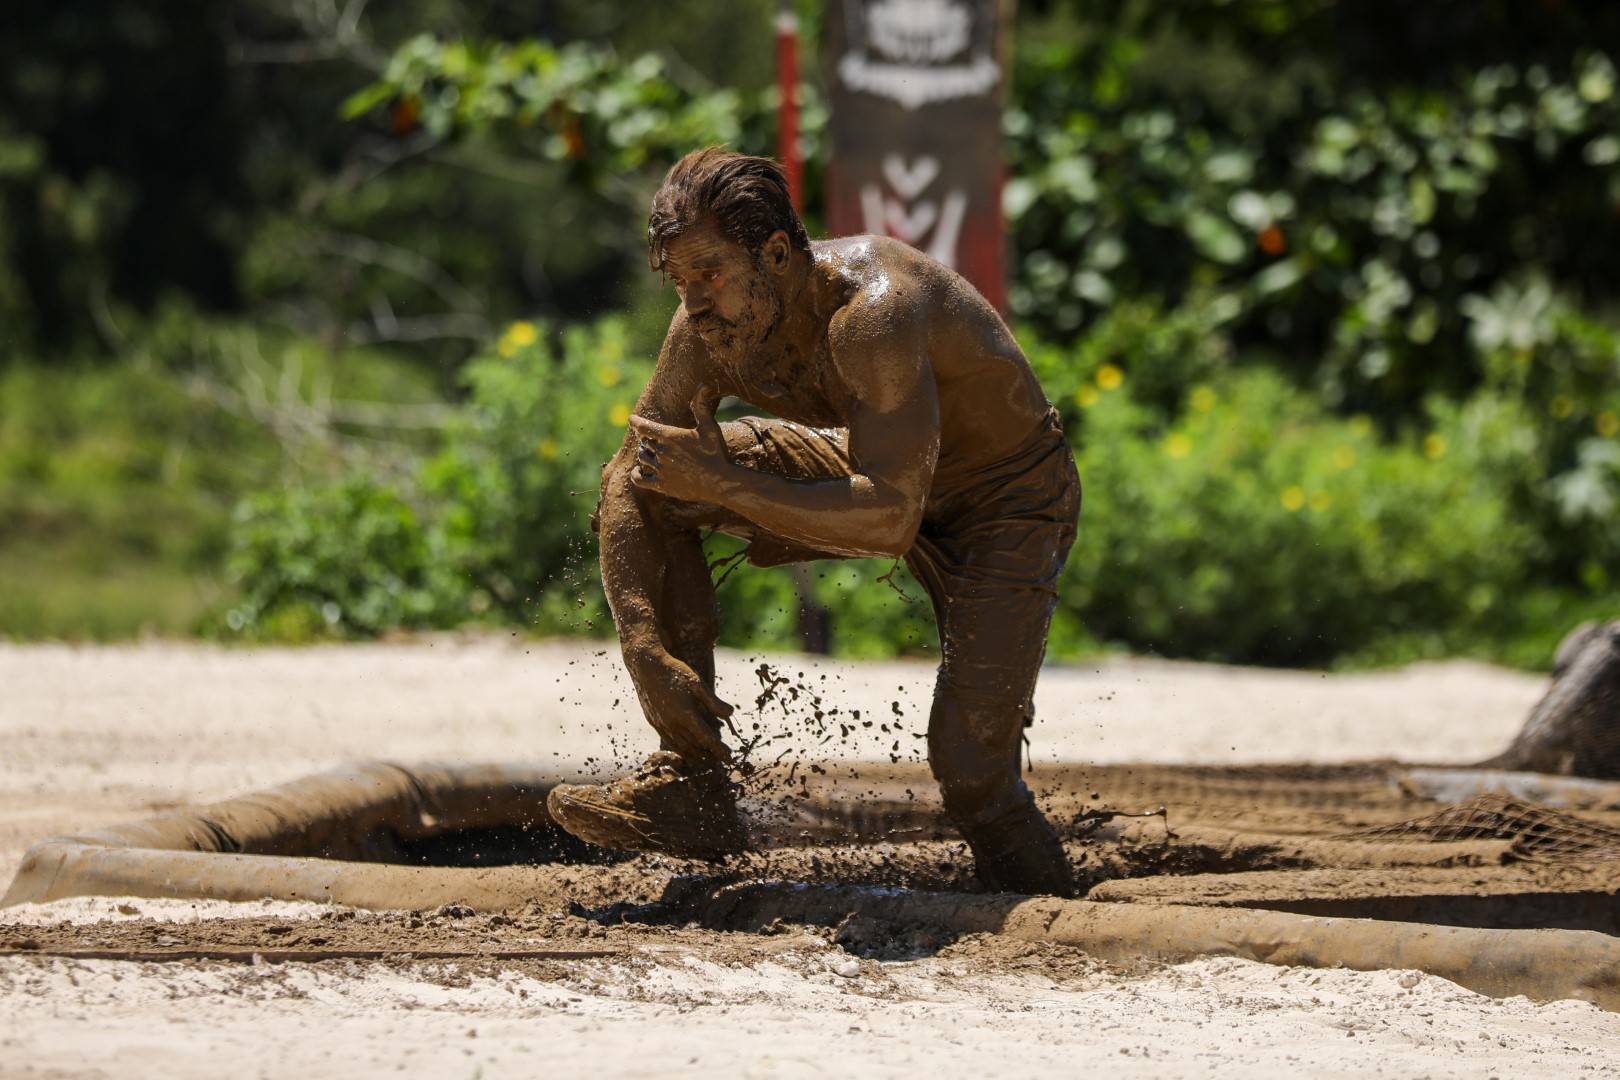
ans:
x=746 y=197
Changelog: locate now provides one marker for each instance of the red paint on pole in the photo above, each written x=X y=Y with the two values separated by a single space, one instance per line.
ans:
x=787 y=116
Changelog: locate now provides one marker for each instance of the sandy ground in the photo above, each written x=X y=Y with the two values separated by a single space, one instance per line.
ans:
x=93 y=735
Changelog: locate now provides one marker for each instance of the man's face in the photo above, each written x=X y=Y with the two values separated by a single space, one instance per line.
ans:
x=729 y=298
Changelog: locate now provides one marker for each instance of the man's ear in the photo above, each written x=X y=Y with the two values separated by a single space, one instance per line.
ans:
x=776 y=252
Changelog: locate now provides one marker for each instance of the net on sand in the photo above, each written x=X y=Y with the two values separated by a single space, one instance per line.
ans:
x=1538 y=833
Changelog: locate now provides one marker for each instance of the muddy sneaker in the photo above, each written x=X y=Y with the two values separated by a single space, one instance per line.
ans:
x=660 y=807
x=1020 y=853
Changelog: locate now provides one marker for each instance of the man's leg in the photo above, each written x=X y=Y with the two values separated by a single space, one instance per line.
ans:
x=993 y=585
x=982 y=703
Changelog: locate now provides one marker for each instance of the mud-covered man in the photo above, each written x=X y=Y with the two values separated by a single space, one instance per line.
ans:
x=912 y=427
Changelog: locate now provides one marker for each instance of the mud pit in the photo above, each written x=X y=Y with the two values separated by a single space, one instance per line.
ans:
x=1226 y=861
x=96 y=737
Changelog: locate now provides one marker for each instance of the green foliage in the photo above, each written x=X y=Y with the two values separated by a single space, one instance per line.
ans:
x=1255 y=527
x=493 y=523
x=117 y=482
x=350 y=559
x=1351 y=232
x=114 y=490
x=517 y=479
x=586 y=102
x=1168 y=354
x=199 y=151
x=126 y=454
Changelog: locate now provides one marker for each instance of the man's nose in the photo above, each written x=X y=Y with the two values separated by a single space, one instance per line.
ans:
x=697 y=299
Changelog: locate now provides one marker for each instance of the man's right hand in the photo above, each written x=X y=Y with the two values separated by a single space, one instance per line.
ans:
x=685 y=713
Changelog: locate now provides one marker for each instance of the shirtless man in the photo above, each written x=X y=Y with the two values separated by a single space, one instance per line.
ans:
x=912 y=428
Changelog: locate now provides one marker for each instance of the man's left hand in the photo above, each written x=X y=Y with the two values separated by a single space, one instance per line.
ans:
x=682 y=463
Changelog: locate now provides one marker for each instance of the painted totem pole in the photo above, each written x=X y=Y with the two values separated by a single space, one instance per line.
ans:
x=916 y=90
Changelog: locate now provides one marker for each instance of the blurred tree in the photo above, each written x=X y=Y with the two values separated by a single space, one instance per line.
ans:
x=119 y=154
x=1338 y=177
x=195 y=150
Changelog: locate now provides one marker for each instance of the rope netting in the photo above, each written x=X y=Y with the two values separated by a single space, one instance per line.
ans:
x=1538 y=833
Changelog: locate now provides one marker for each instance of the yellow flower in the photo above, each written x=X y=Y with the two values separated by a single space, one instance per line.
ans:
x=607 y=375
x=1178 y=445
x=519 y=335
x=1320 y=500
x=1434 y=447
x=1203 y=398
x=1293 y=497
x=1086 y=396
x=1361 y=424
x=620 y=415
x=1608 y=424
x=1344 y=457
x=547 y=448
x=1560 y=407
x=1109 y=377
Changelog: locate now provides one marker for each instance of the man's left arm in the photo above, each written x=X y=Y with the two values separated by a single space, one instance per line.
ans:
x=893 y=442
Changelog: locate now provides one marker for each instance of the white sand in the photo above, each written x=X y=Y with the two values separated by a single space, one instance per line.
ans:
x=89 y=910
x=789 y=1016
x=92 y=735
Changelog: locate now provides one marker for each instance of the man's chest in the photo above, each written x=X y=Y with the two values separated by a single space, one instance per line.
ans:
x=796 y=385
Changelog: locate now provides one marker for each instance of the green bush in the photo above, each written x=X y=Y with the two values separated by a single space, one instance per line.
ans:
x=491 y=524
x=352 y=559
x=128 y=453
x=1255 y=527
x=511 y=492
x=1167 y=354
x=1539 y=348
x=1358 y=211
x=118 y=482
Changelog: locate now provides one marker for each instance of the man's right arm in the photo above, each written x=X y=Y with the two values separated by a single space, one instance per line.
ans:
x=646 y=565
x=631 y=543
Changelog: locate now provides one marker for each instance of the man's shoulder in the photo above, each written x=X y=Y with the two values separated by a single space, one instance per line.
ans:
x=859 y=257
x=873 y=274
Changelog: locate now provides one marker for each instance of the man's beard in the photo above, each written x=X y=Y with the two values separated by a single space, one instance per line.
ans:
x=735 y=341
